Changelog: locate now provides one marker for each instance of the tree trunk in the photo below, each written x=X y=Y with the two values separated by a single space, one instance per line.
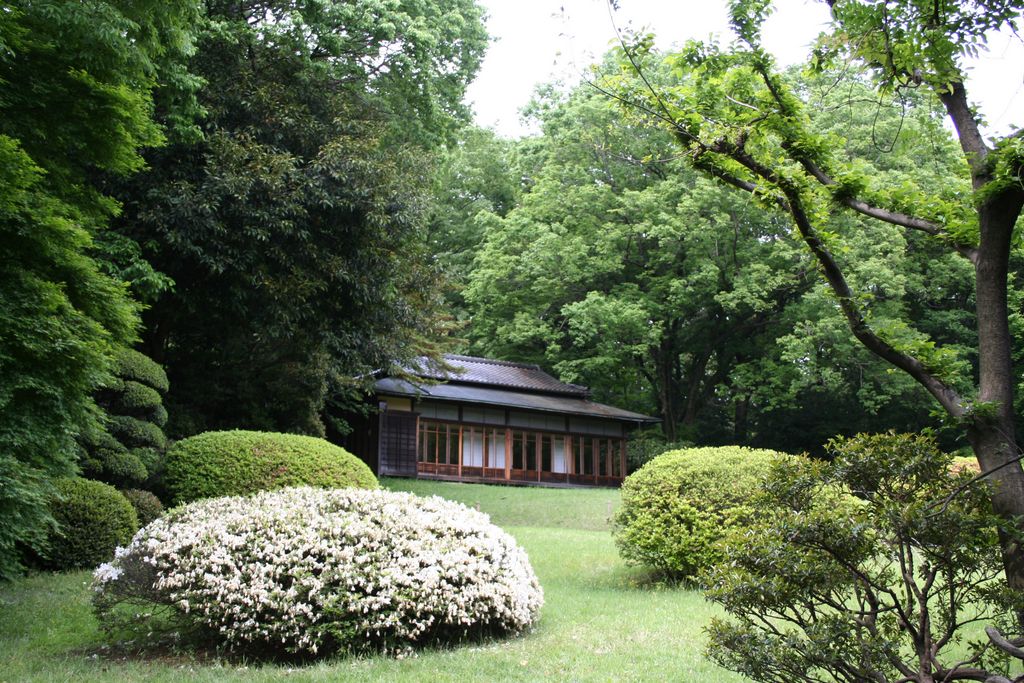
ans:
x=992 y=431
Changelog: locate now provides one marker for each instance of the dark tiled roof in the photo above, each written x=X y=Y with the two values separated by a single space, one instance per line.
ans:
x=499 y=373
x=571 y=405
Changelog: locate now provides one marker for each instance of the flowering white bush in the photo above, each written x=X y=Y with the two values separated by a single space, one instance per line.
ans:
x=306 y=570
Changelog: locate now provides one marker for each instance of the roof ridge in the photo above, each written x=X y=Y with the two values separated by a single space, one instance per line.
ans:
x=494 y=361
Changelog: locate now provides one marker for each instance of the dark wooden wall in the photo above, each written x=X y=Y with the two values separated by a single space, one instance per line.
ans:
x=397 y=453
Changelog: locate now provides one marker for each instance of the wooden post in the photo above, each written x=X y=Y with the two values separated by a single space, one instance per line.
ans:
x=538 y=455
x=508 y=451
x=608 y=457
x=595 y=454
x=622 y=458
x=460 y=451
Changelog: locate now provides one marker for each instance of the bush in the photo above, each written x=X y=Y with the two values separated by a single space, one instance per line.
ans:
x=136 y=399
x=147 y=506
x=132 y=433
x=138 y=367
x=891 y=588
x=93 y=518
x=313 y=571
x=239 y=462
x=122 y=451
x=676 y=507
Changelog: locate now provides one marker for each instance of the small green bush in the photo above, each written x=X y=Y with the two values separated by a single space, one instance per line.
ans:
x=679 y=505
x=93 y=518
x=241 y=462
x=147 y=506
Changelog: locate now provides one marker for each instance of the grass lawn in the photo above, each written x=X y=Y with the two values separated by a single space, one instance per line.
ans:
x=599 y=622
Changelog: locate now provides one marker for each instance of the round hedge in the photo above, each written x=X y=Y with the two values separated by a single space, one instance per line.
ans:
x=147 y=506
x=313 y=571
x=680 y=504
x=93 y=518
x=240 y=462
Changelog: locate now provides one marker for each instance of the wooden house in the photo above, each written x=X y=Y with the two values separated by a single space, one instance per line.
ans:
x=494 y=421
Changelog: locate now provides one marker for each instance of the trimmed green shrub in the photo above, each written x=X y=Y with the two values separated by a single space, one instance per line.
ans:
x=128 y=449
x=136 y=366
x=92 y=518
x=241 y=462
x=137 y=400
x=147 y=506
x=132 y=432
x=679 y=505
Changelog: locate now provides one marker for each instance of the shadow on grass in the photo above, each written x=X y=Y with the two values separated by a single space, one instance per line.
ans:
x=202 y=648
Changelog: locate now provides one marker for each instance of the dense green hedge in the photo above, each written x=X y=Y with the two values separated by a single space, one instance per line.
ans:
x=93 y=518
x=679 y=505
x=241 y=462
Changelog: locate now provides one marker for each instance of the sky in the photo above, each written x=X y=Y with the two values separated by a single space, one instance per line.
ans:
x=538 y=41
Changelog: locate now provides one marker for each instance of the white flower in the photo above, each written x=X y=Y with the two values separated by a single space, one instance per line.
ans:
x=297 y=566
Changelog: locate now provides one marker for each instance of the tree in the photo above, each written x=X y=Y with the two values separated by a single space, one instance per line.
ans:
x=741 y=121
x=294 y=229
x=882 y=587
x=76 y=98
x=626 y=273
x=623 y=270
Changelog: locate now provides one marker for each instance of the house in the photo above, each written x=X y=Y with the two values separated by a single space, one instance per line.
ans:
x=494 y=421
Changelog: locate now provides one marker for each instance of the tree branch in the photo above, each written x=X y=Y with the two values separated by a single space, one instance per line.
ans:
x=967 y=130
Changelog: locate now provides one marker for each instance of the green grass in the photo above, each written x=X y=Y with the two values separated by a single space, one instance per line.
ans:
x=600 y=622
x=586 y=509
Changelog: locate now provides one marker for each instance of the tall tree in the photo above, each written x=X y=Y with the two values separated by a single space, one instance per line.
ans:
x=294 y=229
x=741 y=121
x=626 y=273
x=76 y=99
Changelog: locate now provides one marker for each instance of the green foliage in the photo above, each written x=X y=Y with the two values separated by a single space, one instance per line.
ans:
x=76 y=98
x=240 y=462
x=297 y=220
x=138 y=367
x=92 y=518
x=147 y=506
x=136 y=399
x=59 y=316
x=678 y=506
x=136 y=433
x=128 y=449
x=610 y=268
x=877 y=590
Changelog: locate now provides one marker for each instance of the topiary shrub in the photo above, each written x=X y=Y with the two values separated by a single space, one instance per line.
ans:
x=128 y=450
x=312 y=571
x=676 y=507
x=147 y=506
x=240 y=462
x=93 y=518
